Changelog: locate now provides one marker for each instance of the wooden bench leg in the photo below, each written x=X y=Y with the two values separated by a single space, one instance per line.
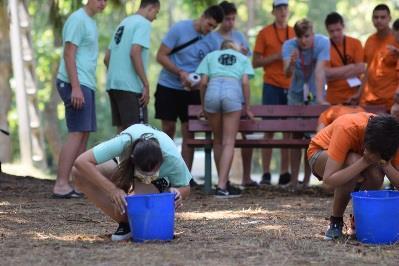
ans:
x=208 y=170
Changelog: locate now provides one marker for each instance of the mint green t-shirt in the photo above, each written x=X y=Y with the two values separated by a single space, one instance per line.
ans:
x=225 y=63
x=121 y=74
x=81 y=30
x=173 y=167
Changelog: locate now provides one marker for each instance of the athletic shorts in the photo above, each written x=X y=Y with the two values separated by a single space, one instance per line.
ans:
x=171 y=104
x=273 y=95
x=312 y=162
x=223 y=95
x=78 y=120
x=125 y=108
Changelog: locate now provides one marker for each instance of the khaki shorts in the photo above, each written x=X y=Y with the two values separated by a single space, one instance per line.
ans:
x=312 y=162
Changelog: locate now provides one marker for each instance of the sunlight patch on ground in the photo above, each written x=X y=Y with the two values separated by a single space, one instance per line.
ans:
x=71 y=238
x=19 y=169
x=218 y=215
x=4 y=203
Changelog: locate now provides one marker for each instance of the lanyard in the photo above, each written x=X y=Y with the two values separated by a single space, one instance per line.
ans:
x=277 y=36
x=343 y=57
x=307 y=70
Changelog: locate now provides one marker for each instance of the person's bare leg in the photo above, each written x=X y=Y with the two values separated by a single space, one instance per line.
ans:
x=307 y=171
x=296 y=155
x=230 y=127
x=186 y=151
x=69 y=152
x=267 y=155
x=285 y=157
x=215 y=122
x=246 y=157
x=169 y=127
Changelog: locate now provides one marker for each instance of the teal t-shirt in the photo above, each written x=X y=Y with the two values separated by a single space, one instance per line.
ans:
x=173 y=167
x=121 y=74
x=80 y=29
x=225 y=63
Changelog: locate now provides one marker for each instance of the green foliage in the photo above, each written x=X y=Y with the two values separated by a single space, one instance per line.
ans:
x=48 y=18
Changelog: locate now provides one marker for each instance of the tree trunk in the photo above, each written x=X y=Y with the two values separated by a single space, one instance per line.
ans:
x=5 y=90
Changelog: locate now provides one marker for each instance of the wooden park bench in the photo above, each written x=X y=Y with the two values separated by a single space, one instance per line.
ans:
x=269 y=118
x=2 y=131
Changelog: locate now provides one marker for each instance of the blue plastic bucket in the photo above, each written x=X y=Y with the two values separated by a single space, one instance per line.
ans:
x=151 y=216
x=376 y=216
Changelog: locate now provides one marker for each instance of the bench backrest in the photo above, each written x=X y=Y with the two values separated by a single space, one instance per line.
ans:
x=279 y=118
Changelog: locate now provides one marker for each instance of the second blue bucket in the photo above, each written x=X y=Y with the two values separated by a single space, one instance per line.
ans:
x=151 y=216
x=376 y=216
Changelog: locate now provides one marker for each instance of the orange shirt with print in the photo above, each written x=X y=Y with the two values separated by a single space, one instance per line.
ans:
x=382 y=79
x=270 y=41
x=332 y=113
x=339 y=91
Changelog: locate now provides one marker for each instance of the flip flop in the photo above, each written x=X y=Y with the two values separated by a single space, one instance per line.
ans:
x=71 y=195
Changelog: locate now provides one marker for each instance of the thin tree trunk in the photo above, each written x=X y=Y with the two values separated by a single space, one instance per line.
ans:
x=5 y=90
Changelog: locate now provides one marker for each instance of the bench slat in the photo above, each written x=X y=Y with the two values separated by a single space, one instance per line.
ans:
x=259 y=143
x=288 y=125
x=303 y=111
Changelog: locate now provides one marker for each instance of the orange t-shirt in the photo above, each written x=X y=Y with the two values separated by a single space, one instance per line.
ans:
x=344 y=135
x=270 y=41
x=338 y=91
x=332 y=113
x=382 y=79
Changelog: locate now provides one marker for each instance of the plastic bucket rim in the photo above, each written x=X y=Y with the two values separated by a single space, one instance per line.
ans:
x=165 y=194
x=357 y=196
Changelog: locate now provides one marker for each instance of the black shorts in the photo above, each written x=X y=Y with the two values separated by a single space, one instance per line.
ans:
x=125 y=108
x=171 y=104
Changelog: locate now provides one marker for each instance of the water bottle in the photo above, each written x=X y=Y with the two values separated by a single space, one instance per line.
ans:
x=306 y=93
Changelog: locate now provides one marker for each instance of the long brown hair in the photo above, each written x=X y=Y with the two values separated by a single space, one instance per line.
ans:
x=144 y=153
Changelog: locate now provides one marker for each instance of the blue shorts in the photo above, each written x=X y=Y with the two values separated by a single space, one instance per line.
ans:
x=223 y=95
x=273 y=95
x=78 y=120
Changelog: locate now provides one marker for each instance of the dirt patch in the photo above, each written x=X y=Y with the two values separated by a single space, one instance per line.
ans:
x=264 y=227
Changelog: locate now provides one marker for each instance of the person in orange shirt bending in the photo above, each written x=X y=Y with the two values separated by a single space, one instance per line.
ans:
x=382 y=81
x=355 y=151
x=335 y=111
x=346 y=63
x=267 y=54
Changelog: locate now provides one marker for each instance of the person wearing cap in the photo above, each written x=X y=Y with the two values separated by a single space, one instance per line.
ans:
x=180 y=53
x=267 y=54
x=225 y=95
x=346 y=67
x=305 y=58
x=126 y=60
x=149 y=162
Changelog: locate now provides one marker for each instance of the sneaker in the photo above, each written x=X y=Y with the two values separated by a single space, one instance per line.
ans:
x=229 y=192
x=193 y=183
x=266 y=179
x=334 y=231
x=122 y=233
x=284 y=179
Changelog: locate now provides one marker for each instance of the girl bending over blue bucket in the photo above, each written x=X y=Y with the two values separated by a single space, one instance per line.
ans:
x=149 y=163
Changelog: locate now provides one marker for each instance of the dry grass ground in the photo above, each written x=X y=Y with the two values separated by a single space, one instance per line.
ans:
x=263 y=227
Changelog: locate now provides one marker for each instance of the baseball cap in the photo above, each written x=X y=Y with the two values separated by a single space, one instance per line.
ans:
x=277 y=3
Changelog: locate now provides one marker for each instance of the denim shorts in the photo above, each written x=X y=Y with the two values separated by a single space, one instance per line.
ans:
x=223 y=95
x=273 y=95
x=78 y=120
